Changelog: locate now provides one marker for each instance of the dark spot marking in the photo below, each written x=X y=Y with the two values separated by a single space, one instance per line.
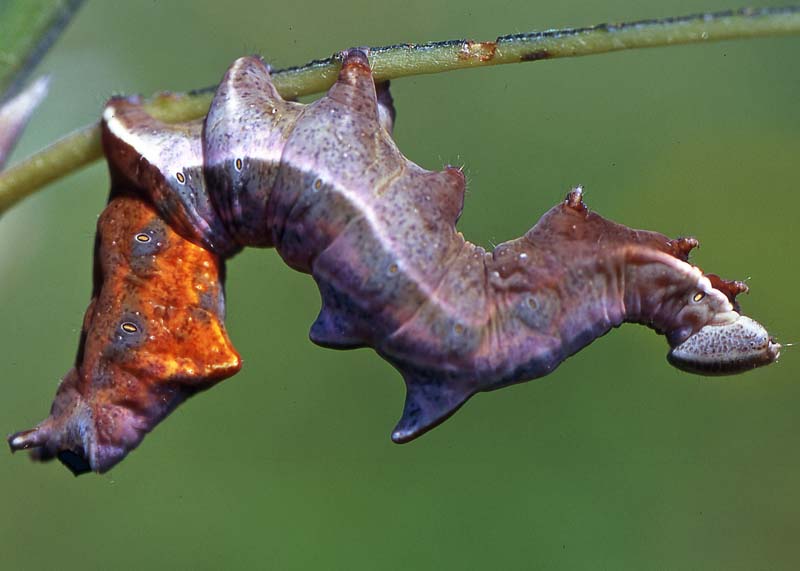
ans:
x=538 y=310
x=127 y=336
x=129 y=327
x=75 y=461
x=145 y=244
x=535 y=55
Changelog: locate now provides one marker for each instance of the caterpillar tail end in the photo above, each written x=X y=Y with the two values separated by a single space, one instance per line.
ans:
x=39 y=439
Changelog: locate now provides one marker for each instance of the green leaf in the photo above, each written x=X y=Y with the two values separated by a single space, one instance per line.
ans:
x=27 y=30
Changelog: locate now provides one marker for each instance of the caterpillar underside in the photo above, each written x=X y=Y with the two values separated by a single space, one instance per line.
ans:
x=326 y=186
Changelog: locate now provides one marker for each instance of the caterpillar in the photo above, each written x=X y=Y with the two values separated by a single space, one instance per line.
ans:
x=326 y=186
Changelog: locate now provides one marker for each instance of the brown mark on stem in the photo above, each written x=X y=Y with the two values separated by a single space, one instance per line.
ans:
x=535 y=55
x=482 y=51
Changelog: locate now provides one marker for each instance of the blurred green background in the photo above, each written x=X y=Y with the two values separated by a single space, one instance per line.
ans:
x=615 y=461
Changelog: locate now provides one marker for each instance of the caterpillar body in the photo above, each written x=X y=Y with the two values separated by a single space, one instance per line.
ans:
x=326 y=186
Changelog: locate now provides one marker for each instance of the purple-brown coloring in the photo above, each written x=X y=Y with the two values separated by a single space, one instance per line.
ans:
x=326 y=186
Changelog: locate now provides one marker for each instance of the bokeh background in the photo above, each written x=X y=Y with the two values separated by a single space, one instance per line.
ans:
x=615 y=461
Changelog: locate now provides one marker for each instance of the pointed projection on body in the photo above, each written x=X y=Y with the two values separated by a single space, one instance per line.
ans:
x=326 y=186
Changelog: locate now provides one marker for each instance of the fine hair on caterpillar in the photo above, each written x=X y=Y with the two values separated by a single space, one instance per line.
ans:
x=326 y=186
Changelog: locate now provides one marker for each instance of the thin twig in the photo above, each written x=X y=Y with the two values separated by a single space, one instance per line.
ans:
x=83 y=146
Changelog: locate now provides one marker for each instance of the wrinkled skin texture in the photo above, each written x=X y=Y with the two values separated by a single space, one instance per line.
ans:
x=327 y=187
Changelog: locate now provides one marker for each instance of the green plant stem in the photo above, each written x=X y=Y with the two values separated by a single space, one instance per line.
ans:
x=83 y=146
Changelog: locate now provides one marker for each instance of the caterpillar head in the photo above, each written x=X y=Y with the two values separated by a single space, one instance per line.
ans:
x=713 y=337
x=726 y=348
x=698 y=312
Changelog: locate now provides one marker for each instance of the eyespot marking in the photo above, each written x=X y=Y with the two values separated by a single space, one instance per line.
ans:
x=145 y=243
x=699 y=296
x=129 y=327
x=538 y=310
x=317 y=184
x=181 y=177
x=238 y=164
